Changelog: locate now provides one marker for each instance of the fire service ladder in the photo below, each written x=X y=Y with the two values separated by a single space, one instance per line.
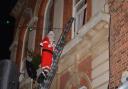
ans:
x=57 y=53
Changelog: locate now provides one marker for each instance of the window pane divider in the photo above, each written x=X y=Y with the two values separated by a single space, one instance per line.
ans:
x=78 y=3
x=85 y=6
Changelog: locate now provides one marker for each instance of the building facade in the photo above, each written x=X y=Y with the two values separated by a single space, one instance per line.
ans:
x=118 y=43
x=85 y=58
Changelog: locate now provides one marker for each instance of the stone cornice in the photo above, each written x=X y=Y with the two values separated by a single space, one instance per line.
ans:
x=86 y=44
x=94 y=20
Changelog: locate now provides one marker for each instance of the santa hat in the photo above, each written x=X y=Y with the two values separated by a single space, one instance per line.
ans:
x=51 y=35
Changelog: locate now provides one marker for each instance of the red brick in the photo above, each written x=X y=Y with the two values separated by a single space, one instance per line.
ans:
x=84 y=83
x=64 y=79
x=85 y=66
x=118 y=41
x=67 y=14
x=40 y=22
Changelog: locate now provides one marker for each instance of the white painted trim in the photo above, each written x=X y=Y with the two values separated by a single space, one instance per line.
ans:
x=78 y=3
x=73 y=3
x=13 y=45
x=45 y=15
x=22 y=51
x=104 y=56
x=76 y=16
x=73 y=24
x=100 y=80
x=93 y=21
x=100 y=69
x=25 y=34
x=34 y=19
x=80 y=11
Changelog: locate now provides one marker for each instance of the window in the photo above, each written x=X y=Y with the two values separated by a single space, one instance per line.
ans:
x=79 y=12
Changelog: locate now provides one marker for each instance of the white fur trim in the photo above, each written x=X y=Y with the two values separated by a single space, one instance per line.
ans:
x=51 y=33
x=41 y=44
x=45 y=42
x=46 y=70
x=50 y=45
x=44 y=74
x=46 y=67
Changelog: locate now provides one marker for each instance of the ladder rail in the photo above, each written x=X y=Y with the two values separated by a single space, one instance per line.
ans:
x=56 y=55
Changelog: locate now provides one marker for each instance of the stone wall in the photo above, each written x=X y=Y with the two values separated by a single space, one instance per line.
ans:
x=86 y=64
x=100 y=63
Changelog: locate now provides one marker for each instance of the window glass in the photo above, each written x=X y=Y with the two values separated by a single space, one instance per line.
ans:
x=80 y=14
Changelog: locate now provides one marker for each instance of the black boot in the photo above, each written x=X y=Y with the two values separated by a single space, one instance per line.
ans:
x=42 y=77
x=31 y=70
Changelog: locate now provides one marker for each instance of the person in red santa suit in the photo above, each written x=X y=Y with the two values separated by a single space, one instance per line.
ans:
x=47 y=46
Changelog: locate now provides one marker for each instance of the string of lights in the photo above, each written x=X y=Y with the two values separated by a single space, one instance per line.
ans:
x=37 y=28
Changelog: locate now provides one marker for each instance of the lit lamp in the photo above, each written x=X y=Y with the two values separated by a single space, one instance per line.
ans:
x=30 y=29
x=124 y=80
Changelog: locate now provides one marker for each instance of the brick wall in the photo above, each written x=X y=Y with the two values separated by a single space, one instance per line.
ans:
x=67 y=11
x=89 y=10
x=89 y=57
x=83 y=67
x=118 y=41
x=40 y=22
x=20 y=43
x=67 y=14
x=22 y=19
x=86 y=69
x=64 y=79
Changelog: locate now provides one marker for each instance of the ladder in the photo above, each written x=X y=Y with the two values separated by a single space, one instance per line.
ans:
x=56 y=55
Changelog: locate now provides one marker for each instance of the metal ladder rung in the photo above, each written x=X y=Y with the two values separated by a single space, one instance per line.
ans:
x=58 y=50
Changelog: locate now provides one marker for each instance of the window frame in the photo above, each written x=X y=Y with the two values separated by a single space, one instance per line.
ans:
x=75 y=14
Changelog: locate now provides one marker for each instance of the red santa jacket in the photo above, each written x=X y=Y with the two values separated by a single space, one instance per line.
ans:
x=47 y=53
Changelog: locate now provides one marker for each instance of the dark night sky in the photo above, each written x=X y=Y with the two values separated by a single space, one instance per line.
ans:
x=7 y=24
